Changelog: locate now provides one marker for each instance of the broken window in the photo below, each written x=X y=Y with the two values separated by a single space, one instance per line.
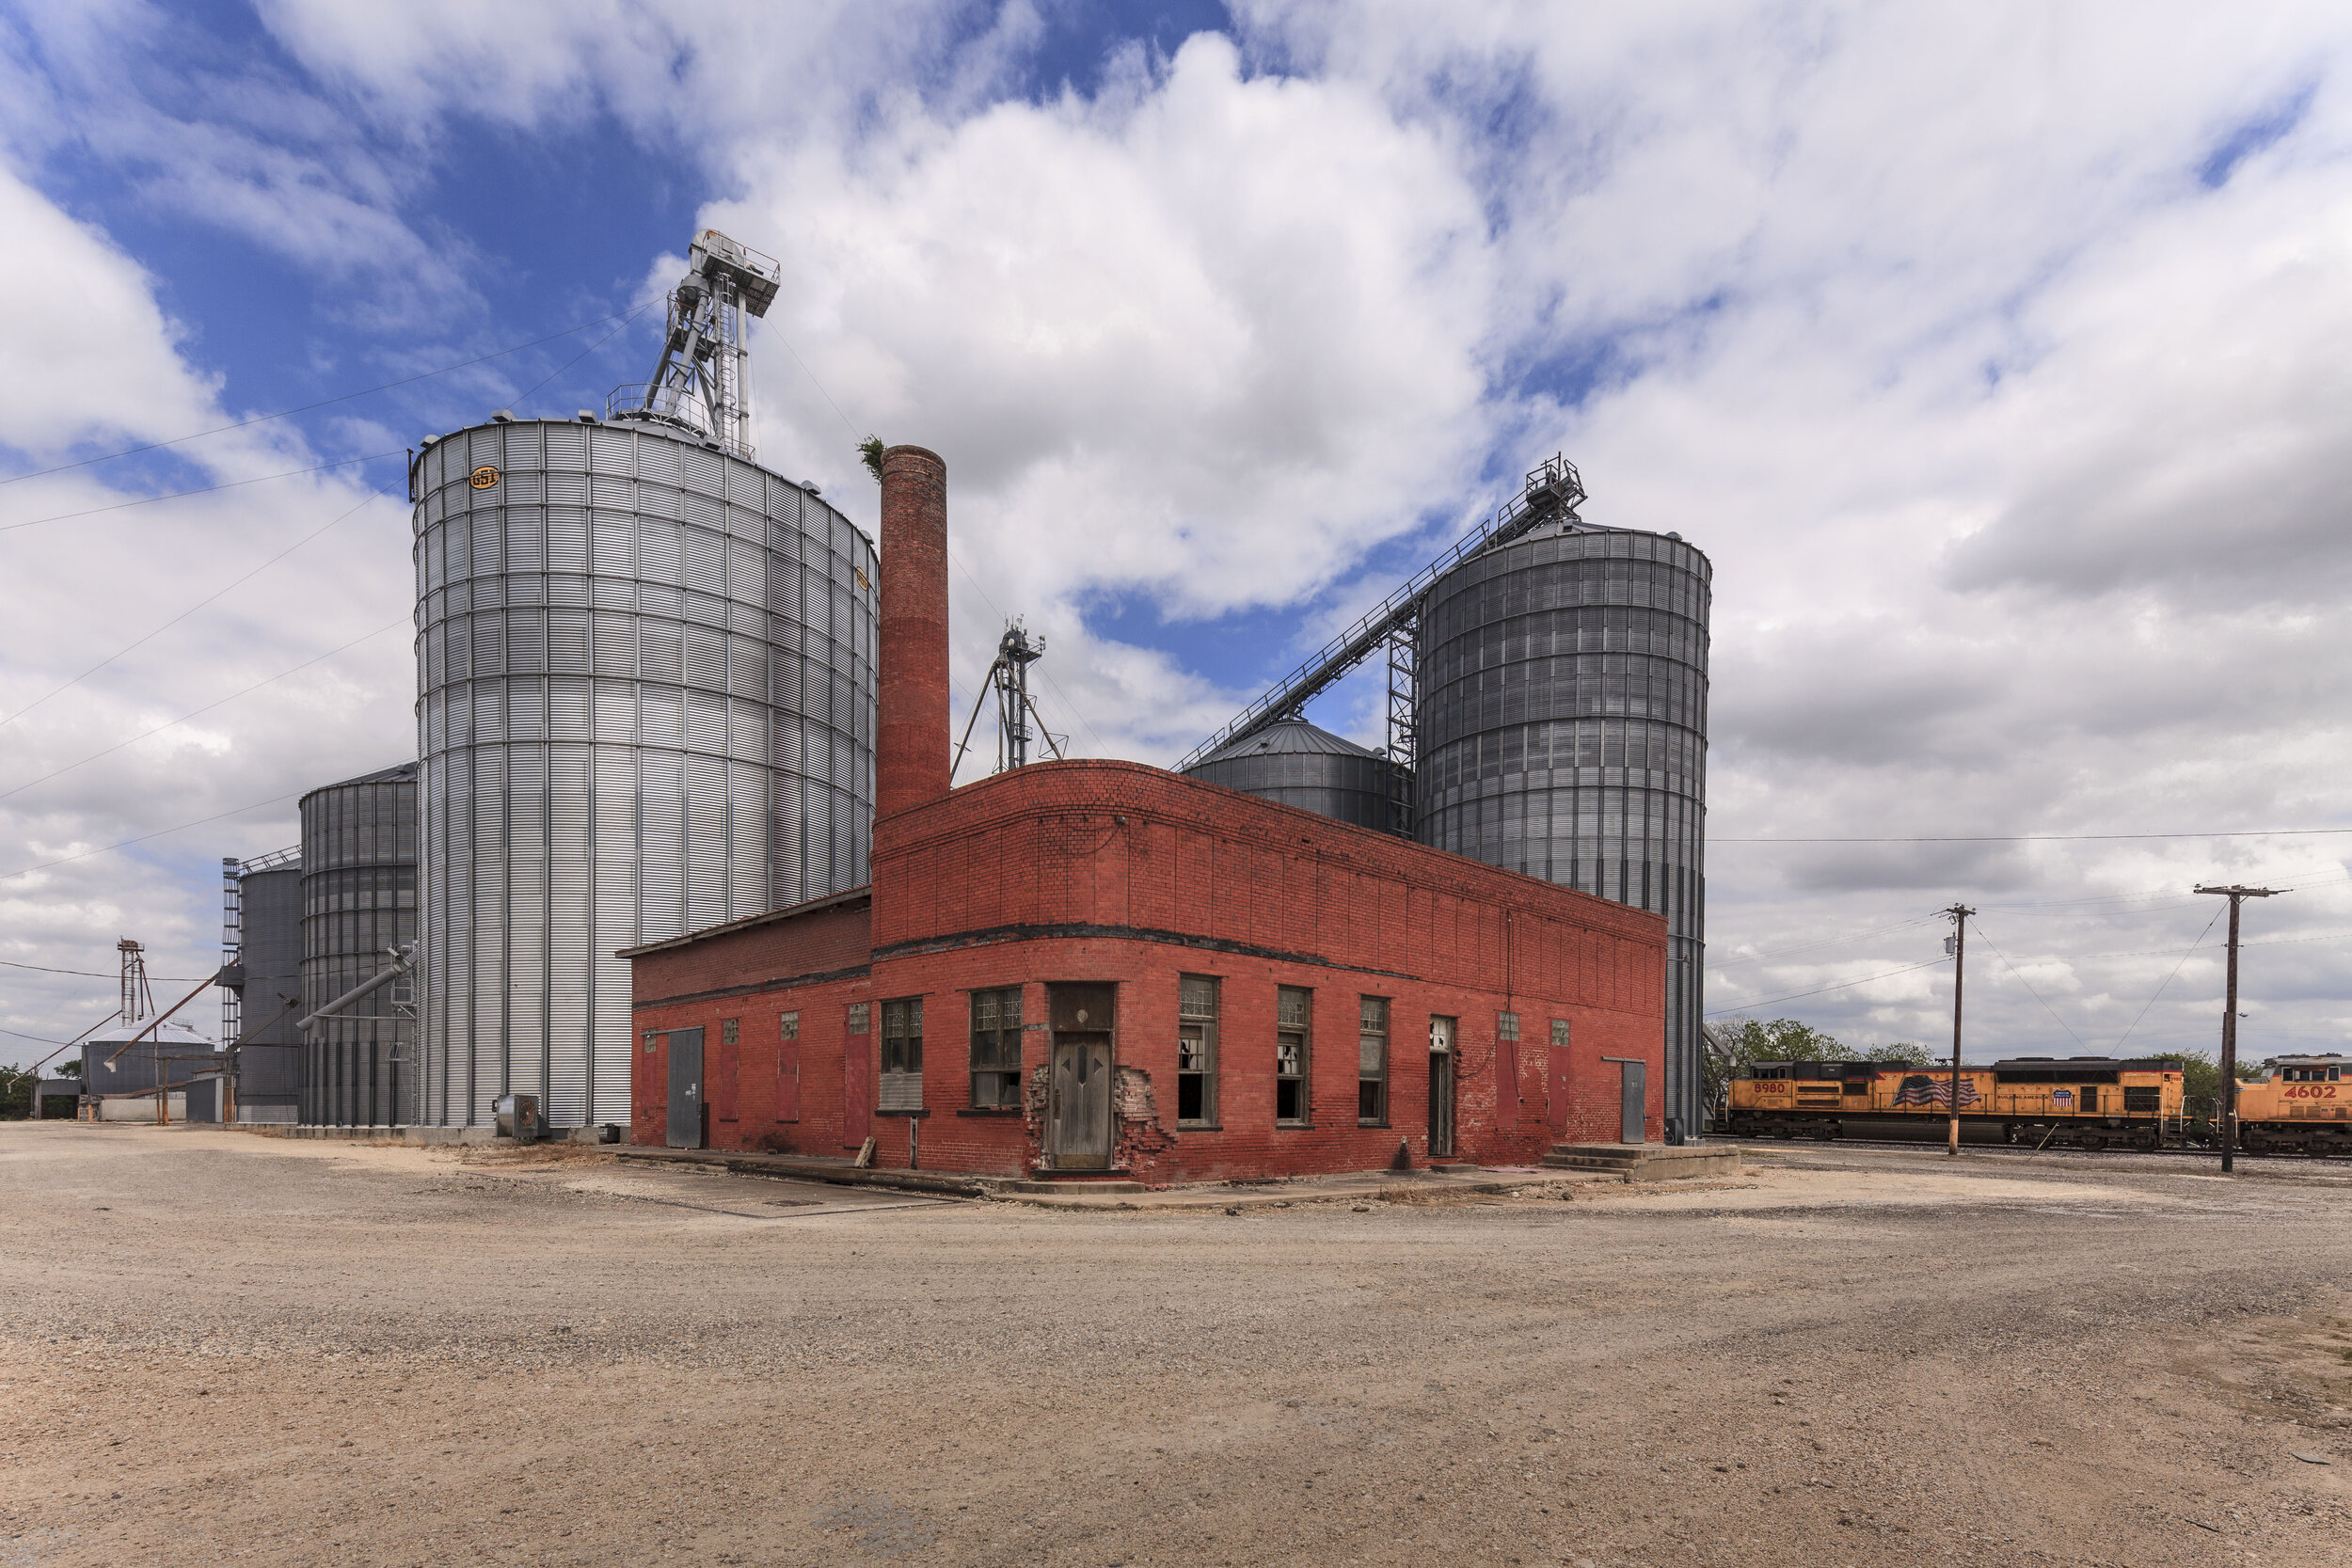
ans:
x=859 y=1017
x=651 y=1036
x=1293 y=1011
x=996 y=1049
x=902 y=1056
x=1371 y=1062
x=790 y=1025
x=1560 y=1033
x=728 y=1032
x=1196 y=1051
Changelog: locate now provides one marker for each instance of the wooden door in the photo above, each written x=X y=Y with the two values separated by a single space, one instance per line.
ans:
x=1078 y=1102
x=688 y=1120
x=1082 y=1055
x=857 y=1075
x=1441 y=1054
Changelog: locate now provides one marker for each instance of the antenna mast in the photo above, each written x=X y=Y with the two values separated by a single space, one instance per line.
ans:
x=702 y=382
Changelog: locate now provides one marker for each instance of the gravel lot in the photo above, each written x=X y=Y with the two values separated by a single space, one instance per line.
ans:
x=225 y=1348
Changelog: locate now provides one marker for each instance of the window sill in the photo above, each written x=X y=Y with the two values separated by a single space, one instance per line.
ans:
x=997 y=1111
x=1361 y=1122
x=1294 y=1126
x=1199 y=1127
x=883 y=1112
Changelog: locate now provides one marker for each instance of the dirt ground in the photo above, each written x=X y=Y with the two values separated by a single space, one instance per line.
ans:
x=227 y=1349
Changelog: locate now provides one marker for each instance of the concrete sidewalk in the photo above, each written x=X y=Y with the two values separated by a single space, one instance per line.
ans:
x=1425 y=1184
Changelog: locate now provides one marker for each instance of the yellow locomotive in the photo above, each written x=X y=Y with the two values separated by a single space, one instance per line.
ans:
x=2085 y=1102
x=2304 y=1105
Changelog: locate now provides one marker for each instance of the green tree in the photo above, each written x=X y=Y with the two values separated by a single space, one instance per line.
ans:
x=16 y=1093
x=2200 y=1081
x=1737 y=1044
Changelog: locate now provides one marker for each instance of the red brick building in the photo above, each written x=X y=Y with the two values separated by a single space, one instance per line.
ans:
x=1096 y=966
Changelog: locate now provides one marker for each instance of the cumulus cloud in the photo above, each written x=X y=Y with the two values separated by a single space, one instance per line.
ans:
x=1993 y=353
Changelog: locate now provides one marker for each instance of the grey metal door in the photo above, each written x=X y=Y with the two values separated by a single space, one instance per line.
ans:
x=686 y=1088
x=1634 y=1080
x=1078 y=1108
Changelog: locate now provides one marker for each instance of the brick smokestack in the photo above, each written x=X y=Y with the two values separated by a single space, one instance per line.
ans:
x=911 y=753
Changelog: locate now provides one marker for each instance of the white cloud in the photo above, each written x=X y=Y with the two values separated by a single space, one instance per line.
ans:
x=2016 y=446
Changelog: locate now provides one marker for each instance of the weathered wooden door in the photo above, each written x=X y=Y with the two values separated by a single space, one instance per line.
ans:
x=1635 y=1086
x=1441 y=1055
x=857 y=1075
x=687 y=1118
x=1078 y=1085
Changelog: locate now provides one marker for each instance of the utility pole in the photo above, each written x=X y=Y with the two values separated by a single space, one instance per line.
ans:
x=1958 y=944
x=2225 y=1114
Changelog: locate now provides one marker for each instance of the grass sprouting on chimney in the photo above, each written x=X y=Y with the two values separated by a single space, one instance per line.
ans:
x=872 y=450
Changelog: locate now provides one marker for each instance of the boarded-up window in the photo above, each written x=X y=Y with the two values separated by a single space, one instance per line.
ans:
x=902 y=1056
x=1371 y=1062
x=1196 y=1051
x=996 y=1049
x=789 y=1067
x=1294 y=1013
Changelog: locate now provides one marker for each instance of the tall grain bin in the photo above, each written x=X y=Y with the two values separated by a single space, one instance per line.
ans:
x=269 y=953
x=645 y=677
x=1299 y=764
x=1561 y=719
x=358 y=900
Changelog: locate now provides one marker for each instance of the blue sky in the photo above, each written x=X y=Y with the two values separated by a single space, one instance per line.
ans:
x=1995 y=356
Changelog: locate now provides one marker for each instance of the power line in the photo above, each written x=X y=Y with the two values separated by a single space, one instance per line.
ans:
x=194 y=608
x=200 y=490
x=160 y=833
x=1842 y=985
x=2041 y=838
x=206 y=709
x=2028 y=985
x=97 y=974
x=323 y=403
x=585 y=352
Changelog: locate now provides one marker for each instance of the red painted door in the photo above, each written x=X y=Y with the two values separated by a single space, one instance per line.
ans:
x=1556 y=1089
x=857 y=1076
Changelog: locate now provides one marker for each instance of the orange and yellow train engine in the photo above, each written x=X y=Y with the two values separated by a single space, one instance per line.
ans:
x=2086 y=1101
x=2304 y=1105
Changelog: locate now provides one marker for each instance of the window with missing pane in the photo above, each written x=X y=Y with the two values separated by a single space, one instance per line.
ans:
x=996 y=1049
x=1371 y=1062
x=902 y=1056
x=1196 y=1051
x=1294 y=1015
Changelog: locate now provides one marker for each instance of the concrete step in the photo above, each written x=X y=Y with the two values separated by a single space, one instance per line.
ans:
x=1647 y=1162
x=1072 y=1184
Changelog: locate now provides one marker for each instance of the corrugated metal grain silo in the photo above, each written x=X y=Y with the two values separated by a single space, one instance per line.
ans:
x=1299 y=764
x=1561 y=721
x=645 y=671
x=358 y=900
x=269 y=1049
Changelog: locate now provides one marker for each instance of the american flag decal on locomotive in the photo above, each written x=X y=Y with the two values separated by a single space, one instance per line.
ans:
x=1919 y=1089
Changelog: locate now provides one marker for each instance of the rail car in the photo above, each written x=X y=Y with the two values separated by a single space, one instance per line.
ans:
x=2078 y=1101
x=2302 y=1106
